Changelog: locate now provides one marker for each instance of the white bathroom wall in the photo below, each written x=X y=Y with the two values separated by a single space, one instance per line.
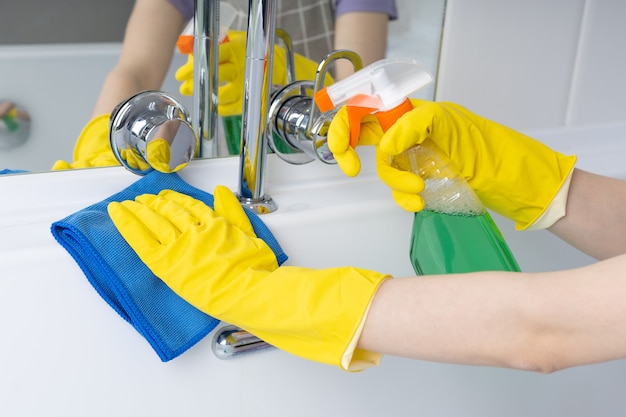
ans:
x=599 y=83
x=536 y=64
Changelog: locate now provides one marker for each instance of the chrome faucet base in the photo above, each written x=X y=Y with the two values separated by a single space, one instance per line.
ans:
x=263 y=205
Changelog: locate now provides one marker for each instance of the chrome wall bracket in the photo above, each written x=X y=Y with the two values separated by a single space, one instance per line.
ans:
x=231 y=341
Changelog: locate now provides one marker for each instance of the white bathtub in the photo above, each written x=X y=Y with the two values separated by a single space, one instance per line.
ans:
x=58 y=86
x=64 y=351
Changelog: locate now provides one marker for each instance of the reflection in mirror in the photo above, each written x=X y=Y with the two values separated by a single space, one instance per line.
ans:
x=58 y=83
x=152 y=131
x=14 y=125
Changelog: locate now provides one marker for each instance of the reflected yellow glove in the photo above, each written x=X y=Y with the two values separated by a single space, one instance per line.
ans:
x=511 y=173
x=134 y=160
x=158 y=155
x=184 y=74
x=92 y=149
x=213 y=259
x=232 y=58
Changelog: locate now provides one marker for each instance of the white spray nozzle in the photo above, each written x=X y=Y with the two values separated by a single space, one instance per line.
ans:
x=388 y=82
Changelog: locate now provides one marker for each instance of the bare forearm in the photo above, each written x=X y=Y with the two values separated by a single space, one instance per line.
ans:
x=149 y=42
x=541 y=322
x=595 y=222
x=450 y=318
x=364 y=33
x=118 y=86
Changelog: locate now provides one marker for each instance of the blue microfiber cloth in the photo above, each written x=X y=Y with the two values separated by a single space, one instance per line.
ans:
x=7 y=171
x=169 y=323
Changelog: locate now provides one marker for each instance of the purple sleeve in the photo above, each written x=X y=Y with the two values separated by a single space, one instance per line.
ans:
x=185 y=7
x=384 y=6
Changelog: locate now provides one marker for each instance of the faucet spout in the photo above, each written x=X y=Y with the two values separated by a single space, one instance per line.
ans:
x=206 y=43
x=257 y=90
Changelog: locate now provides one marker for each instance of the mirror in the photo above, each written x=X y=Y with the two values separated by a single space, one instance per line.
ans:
x=54 y=66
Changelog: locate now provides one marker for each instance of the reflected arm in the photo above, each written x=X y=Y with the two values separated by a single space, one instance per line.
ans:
x=149 y=42
x=364 y=33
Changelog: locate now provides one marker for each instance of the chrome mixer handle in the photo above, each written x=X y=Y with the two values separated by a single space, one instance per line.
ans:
x=299 y=129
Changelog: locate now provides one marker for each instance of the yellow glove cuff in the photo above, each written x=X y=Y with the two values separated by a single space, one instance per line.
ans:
x=543 y=209
x=556 y=209
x=329 y=318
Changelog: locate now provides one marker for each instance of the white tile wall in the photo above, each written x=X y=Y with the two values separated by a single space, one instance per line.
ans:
x=599 y=85
x=536 y=63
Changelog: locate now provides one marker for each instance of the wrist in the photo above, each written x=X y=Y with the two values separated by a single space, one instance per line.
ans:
x=555 y=210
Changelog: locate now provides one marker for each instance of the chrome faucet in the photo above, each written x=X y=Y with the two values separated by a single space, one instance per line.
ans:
x=256 y=96
x=206 y=41
x=296 y=123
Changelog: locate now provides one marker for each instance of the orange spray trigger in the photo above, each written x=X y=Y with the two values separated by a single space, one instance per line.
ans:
x=388 y=117
x=358 y=107
x=227 y=14
x=381 y=87
x=323 y=100
x=185 y=44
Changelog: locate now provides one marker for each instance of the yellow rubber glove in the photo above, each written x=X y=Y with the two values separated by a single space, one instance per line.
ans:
x=184 y=74
x=134 y=160
x=338 y=139
x=92 y=149
x=158 y=155
x=213 y=259
x=232 y=58
x=512 y=174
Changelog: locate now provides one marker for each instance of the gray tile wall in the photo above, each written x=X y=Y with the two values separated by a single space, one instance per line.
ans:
x=61 y=21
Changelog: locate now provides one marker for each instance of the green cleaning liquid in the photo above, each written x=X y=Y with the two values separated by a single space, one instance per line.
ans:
x=454 y=233
x=448 y=243
x=232 y=133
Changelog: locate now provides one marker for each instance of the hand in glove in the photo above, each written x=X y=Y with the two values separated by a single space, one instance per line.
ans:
x=212 y=259
x=512 y=174
x=92 y=149
x=184 y=74
x=232 y=58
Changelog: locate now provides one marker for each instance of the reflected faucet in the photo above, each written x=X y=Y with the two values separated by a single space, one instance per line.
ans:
x=206 y=43
x=285 y=119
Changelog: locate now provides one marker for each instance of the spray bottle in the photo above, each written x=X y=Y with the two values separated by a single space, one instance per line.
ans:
x=454 y=233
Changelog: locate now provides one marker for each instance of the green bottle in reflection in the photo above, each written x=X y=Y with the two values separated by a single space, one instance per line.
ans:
x=232 y=133
x=454 y=233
